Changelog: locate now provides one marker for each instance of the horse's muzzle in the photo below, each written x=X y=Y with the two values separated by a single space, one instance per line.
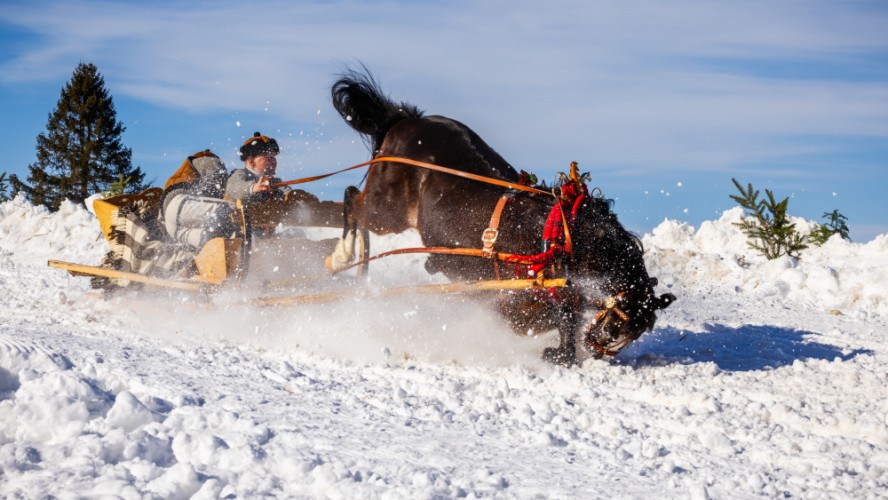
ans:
x=617 y=324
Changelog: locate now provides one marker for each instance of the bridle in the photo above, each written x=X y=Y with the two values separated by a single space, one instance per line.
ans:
x=608 y=308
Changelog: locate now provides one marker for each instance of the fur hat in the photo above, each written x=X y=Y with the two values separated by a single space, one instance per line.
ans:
x=258 y=145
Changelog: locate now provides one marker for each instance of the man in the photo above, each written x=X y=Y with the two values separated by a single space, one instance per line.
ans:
x=254 y=182
x=193 y=211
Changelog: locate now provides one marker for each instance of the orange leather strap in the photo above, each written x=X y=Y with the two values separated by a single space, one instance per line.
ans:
x=421 y=164
x=489 y=235
x=469 y=252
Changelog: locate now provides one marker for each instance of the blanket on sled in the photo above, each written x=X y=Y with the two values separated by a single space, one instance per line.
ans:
x=138 y=244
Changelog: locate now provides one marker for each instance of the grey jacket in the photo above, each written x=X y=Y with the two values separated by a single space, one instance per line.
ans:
x=241 y=182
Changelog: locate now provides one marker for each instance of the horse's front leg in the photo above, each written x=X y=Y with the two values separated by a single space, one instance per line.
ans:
x=569 y=313
x=344 y=252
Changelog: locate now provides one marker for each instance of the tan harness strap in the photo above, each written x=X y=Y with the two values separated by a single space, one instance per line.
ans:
x=469 y=252
x=489 y=235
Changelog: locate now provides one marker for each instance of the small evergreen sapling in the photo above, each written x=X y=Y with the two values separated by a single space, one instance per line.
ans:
x=767 y=226
x=835 y=225
x=117 y=187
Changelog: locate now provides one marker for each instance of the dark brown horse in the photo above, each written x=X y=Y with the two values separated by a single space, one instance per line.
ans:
x=450 y=211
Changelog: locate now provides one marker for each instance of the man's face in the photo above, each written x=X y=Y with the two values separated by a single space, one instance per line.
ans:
x=263 y=165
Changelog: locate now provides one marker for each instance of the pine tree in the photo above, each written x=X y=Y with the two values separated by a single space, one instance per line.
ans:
x=81 y=152
x=767 y=226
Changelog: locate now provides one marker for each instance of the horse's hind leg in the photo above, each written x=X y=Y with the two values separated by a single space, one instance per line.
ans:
x=344 y=252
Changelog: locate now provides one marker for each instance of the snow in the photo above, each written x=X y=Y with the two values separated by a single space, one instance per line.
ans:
x=764 y=379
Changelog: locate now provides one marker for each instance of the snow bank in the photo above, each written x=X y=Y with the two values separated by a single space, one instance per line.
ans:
x=752 y=384
x=839 y=276
x=34 y=234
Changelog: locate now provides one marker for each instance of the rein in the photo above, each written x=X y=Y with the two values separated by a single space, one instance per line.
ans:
x=489 y=235
x=420 y=164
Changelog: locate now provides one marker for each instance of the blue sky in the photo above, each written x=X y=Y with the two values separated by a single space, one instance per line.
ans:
x=663 y=102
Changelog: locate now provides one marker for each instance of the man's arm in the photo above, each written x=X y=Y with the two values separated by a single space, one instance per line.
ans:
x=239 y=185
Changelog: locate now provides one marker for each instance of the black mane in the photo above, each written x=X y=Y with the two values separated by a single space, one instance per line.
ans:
x=360 y=101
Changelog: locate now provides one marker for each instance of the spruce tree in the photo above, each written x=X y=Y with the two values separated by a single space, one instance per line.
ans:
x=81 y=152
x=767 y=226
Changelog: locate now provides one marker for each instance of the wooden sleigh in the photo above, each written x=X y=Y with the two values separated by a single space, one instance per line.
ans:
x=230 y=262
x=221 y=261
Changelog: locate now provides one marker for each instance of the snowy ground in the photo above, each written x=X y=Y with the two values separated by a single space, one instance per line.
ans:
x=765 y=379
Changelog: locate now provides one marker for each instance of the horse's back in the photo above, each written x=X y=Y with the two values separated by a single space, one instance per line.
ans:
x=446 y=142
x=399 y=196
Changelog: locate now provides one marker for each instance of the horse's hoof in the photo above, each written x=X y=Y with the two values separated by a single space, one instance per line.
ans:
x=431 y=267
x=559 y=356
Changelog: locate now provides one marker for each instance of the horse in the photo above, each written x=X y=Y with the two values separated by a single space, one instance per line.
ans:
x=605 y=264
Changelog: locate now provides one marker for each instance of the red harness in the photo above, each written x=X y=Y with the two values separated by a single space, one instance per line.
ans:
x=556 y=233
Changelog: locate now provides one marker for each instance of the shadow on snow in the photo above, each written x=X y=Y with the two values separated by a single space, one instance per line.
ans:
x=746 y=348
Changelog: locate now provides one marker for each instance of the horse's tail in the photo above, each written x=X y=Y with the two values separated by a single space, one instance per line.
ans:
x=358 y=98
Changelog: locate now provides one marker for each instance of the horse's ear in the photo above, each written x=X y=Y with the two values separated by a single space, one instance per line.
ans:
x=664 y=301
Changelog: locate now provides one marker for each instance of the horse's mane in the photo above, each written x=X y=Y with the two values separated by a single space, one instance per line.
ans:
x=365 y=107
x=361 y=102
x=611 y=233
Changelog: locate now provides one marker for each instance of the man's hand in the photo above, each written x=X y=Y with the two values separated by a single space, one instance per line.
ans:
x=262 y=185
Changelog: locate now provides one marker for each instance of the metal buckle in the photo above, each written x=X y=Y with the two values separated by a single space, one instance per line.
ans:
x=488 y=237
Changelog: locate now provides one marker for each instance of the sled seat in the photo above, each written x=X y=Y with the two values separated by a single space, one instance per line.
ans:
x=219 y=260
x=106 y=209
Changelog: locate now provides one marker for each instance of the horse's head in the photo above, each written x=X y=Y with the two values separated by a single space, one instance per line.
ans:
x=611 y=258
